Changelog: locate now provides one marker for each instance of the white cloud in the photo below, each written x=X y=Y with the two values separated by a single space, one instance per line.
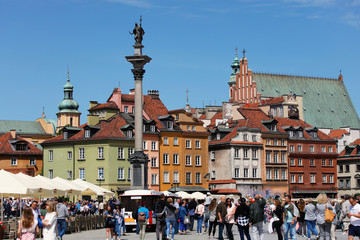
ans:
x=134 y=3
x=312 y=3
x=352 y=20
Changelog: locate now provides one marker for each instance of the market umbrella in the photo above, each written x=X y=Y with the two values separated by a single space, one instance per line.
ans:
x=198 y=195
x=43 y=190
x=86 y=186
x=46 y=183
x=183 y=195
x=170 y=194
x=70 y=188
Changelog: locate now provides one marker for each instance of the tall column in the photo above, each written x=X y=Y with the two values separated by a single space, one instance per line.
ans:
x=138 y=160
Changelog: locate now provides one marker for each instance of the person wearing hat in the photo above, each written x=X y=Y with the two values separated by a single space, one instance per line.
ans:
x=345 y=207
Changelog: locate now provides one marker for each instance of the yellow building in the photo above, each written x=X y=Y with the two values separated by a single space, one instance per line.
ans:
x=183 y=152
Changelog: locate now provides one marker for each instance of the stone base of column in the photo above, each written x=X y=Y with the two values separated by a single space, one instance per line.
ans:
x=139 y=161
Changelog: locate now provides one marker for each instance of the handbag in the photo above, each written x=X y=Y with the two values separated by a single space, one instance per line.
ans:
x=329 y=216
x=40 y=224
x=111 y=222
x=186 y=220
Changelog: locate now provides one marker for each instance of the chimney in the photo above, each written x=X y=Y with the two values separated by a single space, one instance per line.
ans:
x=93 y=104
x=13 y=133
x=132 y=91
x=154 y=94
x=341 y=77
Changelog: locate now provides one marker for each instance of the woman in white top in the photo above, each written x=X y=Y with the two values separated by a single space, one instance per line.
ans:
x=49 y=222
x=229 y=219
x=200 y=210
x=28 y=228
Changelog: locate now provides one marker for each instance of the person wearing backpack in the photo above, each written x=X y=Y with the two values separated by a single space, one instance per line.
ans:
x=291 y=213
x=143 y=216
x=321 y=206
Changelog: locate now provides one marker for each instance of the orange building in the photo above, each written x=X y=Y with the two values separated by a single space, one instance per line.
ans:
x=18 y=155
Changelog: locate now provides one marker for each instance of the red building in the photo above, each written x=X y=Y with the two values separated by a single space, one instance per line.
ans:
x=312 y=160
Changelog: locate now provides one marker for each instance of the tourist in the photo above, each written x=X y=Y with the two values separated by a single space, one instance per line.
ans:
x=28 y=228
x=212 y=217
x=170 y=219
x=301 y=218
x=334 y=223
x=192 y=206
x=229 y=218
x=242 y=214
x=182 y=214
x=221 y=212
x=101 y=207
x=354 y=215
x=61 y=218
x=290 y=211
x=324 y=227
x=118 y=224
x=278 y=216
x=110 y=222
x=199 y=213
x=257 y=217
x=49 y=222
x=143 y=216
x=345 y=207
x=160 y=217
x=310 y=218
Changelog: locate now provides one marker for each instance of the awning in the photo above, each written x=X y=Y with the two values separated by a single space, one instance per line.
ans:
x=188 y=189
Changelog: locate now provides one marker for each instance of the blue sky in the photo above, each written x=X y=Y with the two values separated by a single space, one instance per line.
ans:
x=191 y=43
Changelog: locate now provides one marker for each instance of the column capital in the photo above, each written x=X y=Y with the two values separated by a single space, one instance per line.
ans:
x=138 y=73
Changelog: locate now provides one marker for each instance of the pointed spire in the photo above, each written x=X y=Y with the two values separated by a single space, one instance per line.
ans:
x=187 y=100
x=68 y=73
x=341 y=76
x=43 y=113
x=243 y=52
x=236 y=51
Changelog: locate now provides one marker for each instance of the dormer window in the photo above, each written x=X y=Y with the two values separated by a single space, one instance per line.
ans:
x=348 y=151
x=301 y=134
x=87 y=133
x=21 y=147
x=218 y=136
x=126 y=109
x=315 y=135
x=245 y=137
x=152 y=128
x=66 y=134
x=291 y=133
x=170 y=124
x=144 y=128
x=129 y=133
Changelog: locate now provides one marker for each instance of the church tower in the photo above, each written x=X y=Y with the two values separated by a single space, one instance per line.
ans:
x=68 y=114
x=232 y=82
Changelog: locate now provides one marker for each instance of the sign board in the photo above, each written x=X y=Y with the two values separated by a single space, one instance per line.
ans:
x=136 y=197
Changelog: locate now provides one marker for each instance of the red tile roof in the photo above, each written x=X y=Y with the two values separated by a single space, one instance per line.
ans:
x=154 y=107
x=5 y=146
x=215 y=117
x=127 y=97
x=338 y=133
x=107 y=105
x=275 y=100
x=225 y=191
x=222 y=181
x=354 y=151
x=202 y=117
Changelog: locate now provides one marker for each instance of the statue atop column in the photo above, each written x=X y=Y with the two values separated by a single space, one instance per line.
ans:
x=138 y=32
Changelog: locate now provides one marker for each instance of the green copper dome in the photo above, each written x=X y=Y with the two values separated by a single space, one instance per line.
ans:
x=68 y=104
x=235 y=63
x=236 y=68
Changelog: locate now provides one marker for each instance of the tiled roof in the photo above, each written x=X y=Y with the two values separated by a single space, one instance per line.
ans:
x=154 y=107
x=5 y=146
x=215 y=117
x=225 y=191
x=127 y=97
x=22 y=127
x=274 y=100
x=222 y=181
x=107 y=105
x=202 y=117
x=321 y=98
x=353 y=151
x=338 y=133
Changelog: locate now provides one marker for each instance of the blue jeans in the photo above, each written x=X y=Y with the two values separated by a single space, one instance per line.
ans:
x=182 y=225
x=172 y=222
x=118 y=228
x=61 y=226
x=176 y=226
x=137 y=227
x=221 y=228
x=311 y=228
x=290 y=227
x=199 y=224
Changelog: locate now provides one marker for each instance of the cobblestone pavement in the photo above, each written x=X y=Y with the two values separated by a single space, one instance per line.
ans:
x=101 y=234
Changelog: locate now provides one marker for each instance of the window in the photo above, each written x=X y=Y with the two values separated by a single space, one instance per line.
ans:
x=330 y=149
x=120 y=153
x=188 y=143
x=32 y=162
x=129 y=171
x=100 y=153
x=176 y=141
x=292 y=148
x=177 y=116
x=153 y=162
x=275 y=142
x=218 y=136
x=312 y=162
x=175 y=158
x=330 y=162
x=276 y=157
x=82 y=153
x=212 y=156
x=144 y=145
x=268 y=141
x=69 y=174
x=300 y=178
x=51 y=155
x=170 y=124
x=197 y=161
x=166 y=177
x=129 y=133
x=283 y=157
x=193 y=128
x=130 y=151
x=300 y=162
x=292 y=179
x=254 y=153
x=100 y=173
x=13 y=162
x=347 y=168
x=323 y=149
x=268 y=156
x=69 y=155
x=246 y=172
x=291 y=134
x=87 y=133
x=237 y=153
x=254 y=172
x=152 y=129
x=331 y=179
x=341 y=183
x=299 y=148
x=126 y=109
x=245 y=136
x=153 y=146
x=66 y=135
x=341 y=168
x=188 y=160
x=198 y=178
x=188 y=177
x=348 y=185
x=51 y=173
x=213 y=175
x=246 y=152
x=357 y=167
x=312 y=178
x=323 y=162
x=292 y=162
x=268 y=173
x=324 y=179
x=176 y=177
x=311 y=148
x=166 y=141
x=237 y=172
x=197 y=144
x=153 y=179
x=273 y=128
x=82 y=173
x=165 y=158
x=283 y=174
x=188 y=128
x=282 y=142
x=301 y=134
x=254 y=138
x=121 y=174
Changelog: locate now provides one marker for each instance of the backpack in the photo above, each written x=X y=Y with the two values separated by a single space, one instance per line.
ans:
x=296 y=211
x=142 y=217
x=134 y=213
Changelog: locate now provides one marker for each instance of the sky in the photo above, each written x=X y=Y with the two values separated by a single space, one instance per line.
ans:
x=191 y=42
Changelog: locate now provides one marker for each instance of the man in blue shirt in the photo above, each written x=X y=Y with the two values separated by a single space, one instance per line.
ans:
x=290 y=219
